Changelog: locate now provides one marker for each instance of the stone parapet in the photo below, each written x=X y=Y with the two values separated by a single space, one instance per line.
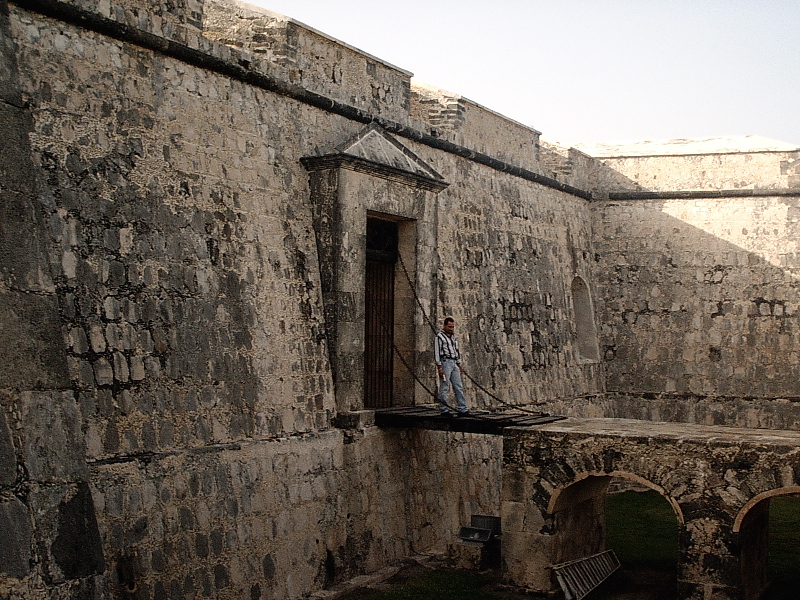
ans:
x=466 y=123
x=178 y=21
x=728 y=411
x=568 y=165
x=697 y=165
x=311 y=59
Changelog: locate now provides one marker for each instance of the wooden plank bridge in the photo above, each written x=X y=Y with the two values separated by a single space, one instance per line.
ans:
x=485 y=422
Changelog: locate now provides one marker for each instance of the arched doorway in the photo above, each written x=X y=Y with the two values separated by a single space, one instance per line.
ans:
x=642 y=530
x=628 y=514
x=769 y=530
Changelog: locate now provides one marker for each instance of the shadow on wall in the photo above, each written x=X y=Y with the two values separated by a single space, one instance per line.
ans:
x=689 y=312
x=698 y=300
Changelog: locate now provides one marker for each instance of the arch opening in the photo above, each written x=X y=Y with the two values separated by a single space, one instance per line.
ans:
x=626 y=513
x=769 y=530
x=642 y=529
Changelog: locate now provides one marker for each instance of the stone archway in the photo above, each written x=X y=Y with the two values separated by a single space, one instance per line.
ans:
x=752 y=525
x=560 y=523
x=708 y=474
x=578 y=511
x=557 y=498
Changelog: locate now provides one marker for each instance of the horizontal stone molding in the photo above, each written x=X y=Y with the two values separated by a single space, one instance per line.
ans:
x=702 y=194
x=243 y=71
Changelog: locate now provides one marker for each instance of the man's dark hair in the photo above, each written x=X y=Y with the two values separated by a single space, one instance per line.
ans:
x=449 y=320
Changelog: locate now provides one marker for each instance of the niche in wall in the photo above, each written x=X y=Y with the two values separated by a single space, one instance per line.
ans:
x=585 y=329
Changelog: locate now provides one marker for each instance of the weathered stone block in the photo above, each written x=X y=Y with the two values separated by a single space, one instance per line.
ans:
x=8 y=456
x=67 y=532
x=31 y=333
x=15 y=172
x=52 y=442
x=16 y=530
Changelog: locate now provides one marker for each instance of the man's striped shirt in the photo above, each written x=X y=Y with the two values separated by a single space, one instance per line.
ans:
x=445 y=346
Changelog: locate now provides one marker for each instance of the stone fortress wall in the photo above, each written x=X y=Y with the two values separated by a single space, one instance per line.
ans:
x=174 y=383
x=698 y=296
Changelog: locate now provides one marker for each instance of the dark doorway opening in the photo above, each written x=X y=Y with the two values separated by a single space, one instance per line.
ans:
x=379 y=300
x=642 y=529
x=784 y=548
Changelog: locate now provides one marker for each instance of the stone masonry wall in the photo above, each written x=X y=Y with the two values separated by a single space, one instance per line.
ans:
x=166 y=422
x=46 y=512
x=167 y=304
x=280 y=518
x=310 y=59
x=698 y=286
x=508 y=254
x=699 y=296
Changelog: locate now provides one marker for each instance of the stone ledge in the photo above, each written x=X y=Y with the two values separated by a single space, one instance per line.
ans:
x=354 y=419
x=627 y=428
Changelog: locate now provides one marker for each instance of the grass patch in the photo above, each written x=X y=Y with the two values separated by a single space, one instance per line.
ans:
x=642 y=529
x=442 y=585
x=784 y=538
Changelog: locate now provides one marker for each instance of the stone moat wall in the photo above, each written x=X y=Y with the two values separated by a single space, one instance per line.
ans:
x=169 y=395
x=167 y=409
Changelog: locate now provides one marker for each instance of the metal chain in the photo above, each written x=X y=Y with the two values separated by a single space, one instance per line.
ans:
x=416 y=296
x=433 y=328
x=411 y=371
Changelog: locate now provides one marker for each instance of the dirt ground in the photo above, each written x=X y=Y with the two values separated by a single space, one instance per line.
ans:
x=622 y=585
x=640 y=584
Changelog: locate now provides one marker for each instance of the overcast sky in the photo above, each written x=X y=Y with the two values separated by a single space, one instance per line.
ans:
x=591 y=70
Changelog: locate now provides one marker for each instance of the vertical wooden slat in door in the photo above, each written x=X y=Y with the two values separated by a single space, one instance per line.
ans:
x=378 y=334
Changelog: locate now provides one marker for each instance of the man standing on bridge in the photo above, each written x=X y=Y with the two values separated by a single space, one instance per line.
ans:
x=448 y=366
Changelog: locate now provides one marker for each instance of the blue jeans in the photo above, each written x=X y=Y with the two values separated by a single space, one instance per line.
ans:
x=452 y=375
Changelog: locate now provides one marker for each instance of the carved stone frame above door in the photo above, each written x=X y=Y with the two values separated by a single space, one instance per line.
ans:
x=374 y=175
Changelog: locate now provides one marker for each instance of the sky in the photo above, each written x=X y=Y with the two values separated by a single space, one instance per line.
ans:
x=591 y=70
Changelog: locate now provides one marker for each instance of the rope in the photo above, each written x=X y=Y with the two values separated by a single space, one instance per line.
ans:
x=433 y=328
x=411 y=371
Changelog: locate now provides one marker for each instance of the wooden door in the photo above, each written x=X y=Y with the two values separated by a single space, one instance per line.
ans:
x=379 y=313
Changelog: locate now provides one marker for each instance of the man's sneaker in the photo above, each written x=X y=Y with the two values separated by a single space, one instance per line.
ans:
x=446 y=414
x=465 y=413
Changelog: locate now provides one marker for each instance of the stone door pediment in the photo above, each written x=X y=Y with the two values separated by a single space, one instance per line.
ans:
x=374 y=151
